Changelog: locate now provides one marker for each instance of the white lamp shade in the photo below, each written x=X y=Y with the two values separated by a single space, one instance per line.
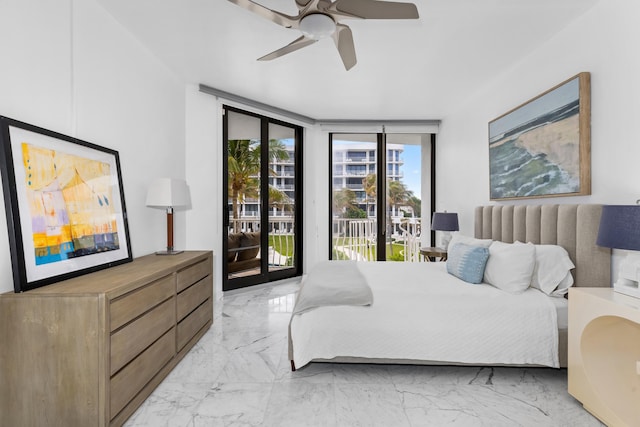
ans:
x=168 y=192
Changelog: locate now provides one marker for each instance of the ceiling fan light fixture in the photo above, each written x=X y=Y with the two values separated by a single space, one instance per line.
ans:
x=319 y=19
x=317 y=26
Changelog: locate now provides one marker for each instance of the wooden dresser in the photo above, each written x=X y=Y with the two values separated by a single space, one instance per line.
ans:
x=88 y=351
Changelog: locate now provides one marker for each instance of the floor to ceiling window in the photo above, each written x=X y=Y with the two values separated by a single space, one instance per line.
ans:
x=263 y=194
x=364 y=225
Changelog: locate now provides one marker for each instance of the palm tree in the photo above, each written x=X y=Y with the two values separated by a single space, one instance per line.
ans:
x=343 y=200
x=369 y=183
x=244 y=165
x=244 y=162
x=416 y=205
x=397 y=195
x=344 y=203
x=277 y=150
x=279 y=199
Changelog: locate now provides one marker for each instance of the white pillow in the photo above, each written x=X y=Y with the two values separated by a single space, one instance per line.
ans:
x=467 y=240
x=552 y=269
x=510 y=266
x=563 y=286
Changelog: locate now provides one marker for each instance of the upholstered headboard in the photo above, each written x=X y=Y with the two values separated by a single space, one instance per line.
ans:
x=574 y=227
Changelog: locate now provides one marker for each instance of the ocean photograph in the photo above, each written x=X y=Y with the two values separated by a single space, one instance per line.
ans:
x=534 y=151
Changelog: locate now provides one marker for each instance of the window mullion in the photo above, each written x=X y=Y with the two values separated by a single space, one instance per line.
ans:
x=382 y=198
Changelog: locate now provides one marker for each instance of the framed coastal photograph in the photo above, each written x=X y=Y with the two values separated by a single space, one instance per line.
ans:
x=542 y=148
x=64 y=204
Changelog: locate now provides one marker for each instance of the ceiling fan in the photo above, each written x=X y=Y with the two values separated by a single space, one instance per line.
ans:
x=318 y=19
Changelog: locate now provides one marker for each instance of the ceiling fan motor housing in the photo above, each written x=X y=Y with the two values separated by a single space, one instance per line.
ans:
x=317 y=26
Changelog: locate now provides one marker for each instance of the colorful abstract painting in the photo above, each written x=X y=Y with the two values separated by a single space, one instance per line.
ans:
x=541 y=148
x=64 y=203
x=69 y=204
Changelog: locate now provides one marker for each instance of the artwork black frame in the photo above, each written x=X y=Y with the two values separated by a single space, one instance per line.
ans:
x=108 y=244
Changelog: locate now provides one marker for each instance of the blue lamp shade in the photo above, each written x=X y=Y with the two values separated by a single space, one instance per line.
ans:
x=620 y=227
x=444 y=221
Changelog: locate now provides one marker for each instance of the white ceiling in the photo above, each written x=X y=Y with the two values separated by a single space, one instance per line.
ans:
x=407 y=70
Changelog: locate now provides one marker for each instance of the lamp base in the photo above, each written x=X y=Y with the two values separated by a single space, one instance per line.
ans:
x=169 y=252
x=629 y=276
x=630 y=289
x=446 y=239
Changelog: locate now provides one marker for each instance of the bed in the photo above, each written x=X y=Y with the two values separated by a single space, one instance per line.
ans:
x=421 y=314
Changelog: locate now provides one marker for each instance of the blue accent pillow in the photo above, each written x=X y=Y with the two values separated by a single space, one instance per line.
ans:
x=467 y=262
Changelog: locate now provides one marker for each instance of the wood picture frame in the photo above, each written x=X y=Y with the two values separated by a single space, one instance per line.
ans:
x=542 y=148
x=64 y=204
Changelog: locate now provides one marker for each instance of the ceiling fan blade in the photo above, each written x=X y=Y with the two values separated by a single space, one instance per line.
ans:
x=298 y=43
x=344 y=42
x=272 y=15
x=374 y=9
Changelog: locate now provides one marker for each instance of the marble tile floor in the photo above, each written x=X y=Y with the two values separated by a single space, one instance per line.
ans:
x=239 y=375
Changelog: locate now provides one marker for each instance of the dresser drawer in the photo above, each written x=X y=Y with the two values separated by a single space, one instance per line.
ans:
x=130 y=380
x=191 y=324
x=192 y=274
x=129 y=341
x=193 y=296
x=133 y=304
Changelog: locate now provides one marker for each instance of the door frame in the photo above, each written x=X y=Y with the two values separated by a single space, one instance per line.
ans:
x=265 y=276
x=381 y=188
x=381 y=182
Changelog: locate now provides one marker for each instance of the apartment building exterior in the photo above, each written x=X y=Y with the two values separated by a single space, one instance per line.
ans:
x=350 y=166
x=353 y=163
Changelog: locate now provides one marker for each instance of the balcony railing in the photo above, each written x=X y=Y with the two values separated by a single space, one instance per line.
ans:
x=281 y=237
x=353 y=239
x=356 y=239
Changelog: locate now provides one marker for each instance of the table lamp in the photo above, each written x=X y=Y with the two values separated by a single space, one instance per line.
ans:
x=446 y=222
x=168 y=193
x=620 y=229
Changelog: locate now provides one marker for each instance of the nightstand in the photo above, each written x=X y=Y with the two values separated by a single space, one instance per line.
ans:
x=431 y=253
x=604 y=354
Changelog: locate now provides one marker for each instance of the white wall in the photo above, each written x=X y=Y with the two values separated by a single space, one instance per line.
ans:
x=603 y=41
x=204 y=176
x=69 y=67
x=316 y=197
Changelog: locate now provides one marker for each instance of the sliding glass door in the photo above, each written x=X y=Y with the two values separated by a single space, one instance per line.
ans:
x=366 y=226
x=263 y=192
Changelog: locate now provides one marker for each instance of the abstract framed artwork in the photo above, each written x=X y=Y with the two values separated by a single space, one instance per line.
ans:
x=542 y=148
x=64 y=204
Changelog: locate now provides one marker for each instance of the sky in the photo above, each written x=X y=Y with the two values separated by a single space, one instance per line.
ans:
x=411 y=168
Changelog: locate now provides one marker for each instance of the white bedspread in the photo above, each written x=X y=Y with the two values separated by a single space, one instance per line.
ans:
x=422 y=313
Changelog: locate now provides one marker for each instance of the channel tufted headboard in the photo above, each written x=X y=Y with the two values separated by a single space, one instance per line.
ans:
x=574 y=227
